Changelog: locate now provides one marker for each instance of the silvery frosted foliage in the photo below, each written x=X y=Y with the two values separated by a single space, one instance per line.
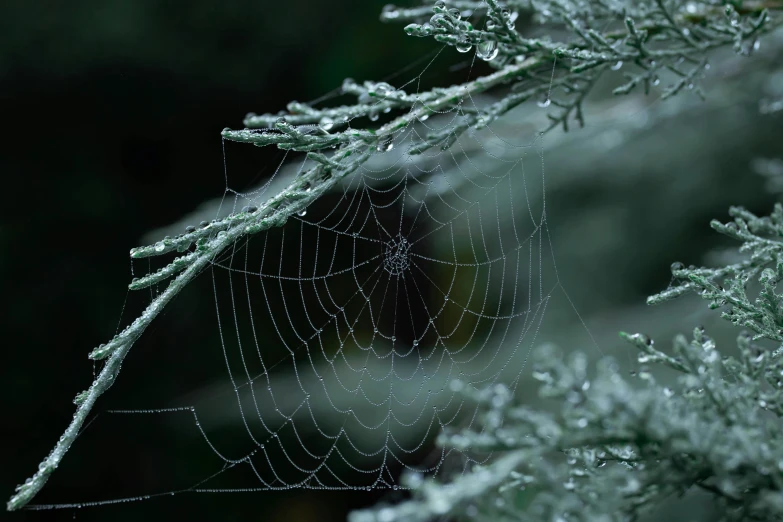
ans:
x=727 y=287
x=646 y=39
x=630 y=448
x=615 y=451
x=650 y=42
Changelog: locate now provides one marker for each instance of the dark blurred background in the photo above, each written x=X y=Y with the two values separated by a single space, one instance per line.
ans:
x=113 y=111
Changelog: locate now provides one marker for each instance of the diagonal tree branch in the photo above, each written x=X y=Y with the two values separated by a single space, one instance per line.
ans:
x=296 y=197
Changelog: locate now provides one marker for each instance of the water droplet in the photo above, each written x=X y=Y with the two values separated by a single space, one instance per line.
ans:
x=487 y=50
x=159 y=246
x=756 y=46
x=326 y=123
x=463 y=45
x=301 y=213
x=373 y=116
x=544 y=103
x=393 y=338
x=385 y=145
x=617 y=66
x=454 y=12
x=656 y=81
x=439 y=5
x=383 y=89
x=190 y=229
x=415 y=342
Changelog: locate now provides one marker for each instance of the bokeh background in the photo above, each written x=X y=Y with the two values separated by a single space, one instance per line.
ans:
x=113 y=111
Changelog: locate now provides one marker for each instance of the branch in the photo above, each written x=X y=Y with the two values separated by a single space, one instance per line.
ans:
x=305 y=189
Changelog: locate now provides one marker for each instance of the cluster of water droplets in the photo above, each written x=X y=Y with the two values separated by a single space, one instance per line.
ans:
x=455 y=22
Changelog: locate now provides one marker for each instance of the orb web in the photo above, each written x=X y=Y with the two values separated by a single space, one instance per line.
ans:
x=348 y=332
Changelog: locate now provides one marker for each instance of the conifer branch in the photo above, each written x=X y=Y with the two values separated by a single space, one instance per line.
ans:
x=727 y=286
x=627 y=448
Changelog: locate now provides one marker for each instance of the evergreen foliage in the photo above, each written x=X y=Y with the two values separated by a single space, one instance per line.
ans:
x=614 y=450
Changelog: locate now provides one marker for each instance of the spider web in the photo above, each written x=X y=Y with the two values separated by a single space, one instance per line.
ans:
x=348 y=334
x=378 y=302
